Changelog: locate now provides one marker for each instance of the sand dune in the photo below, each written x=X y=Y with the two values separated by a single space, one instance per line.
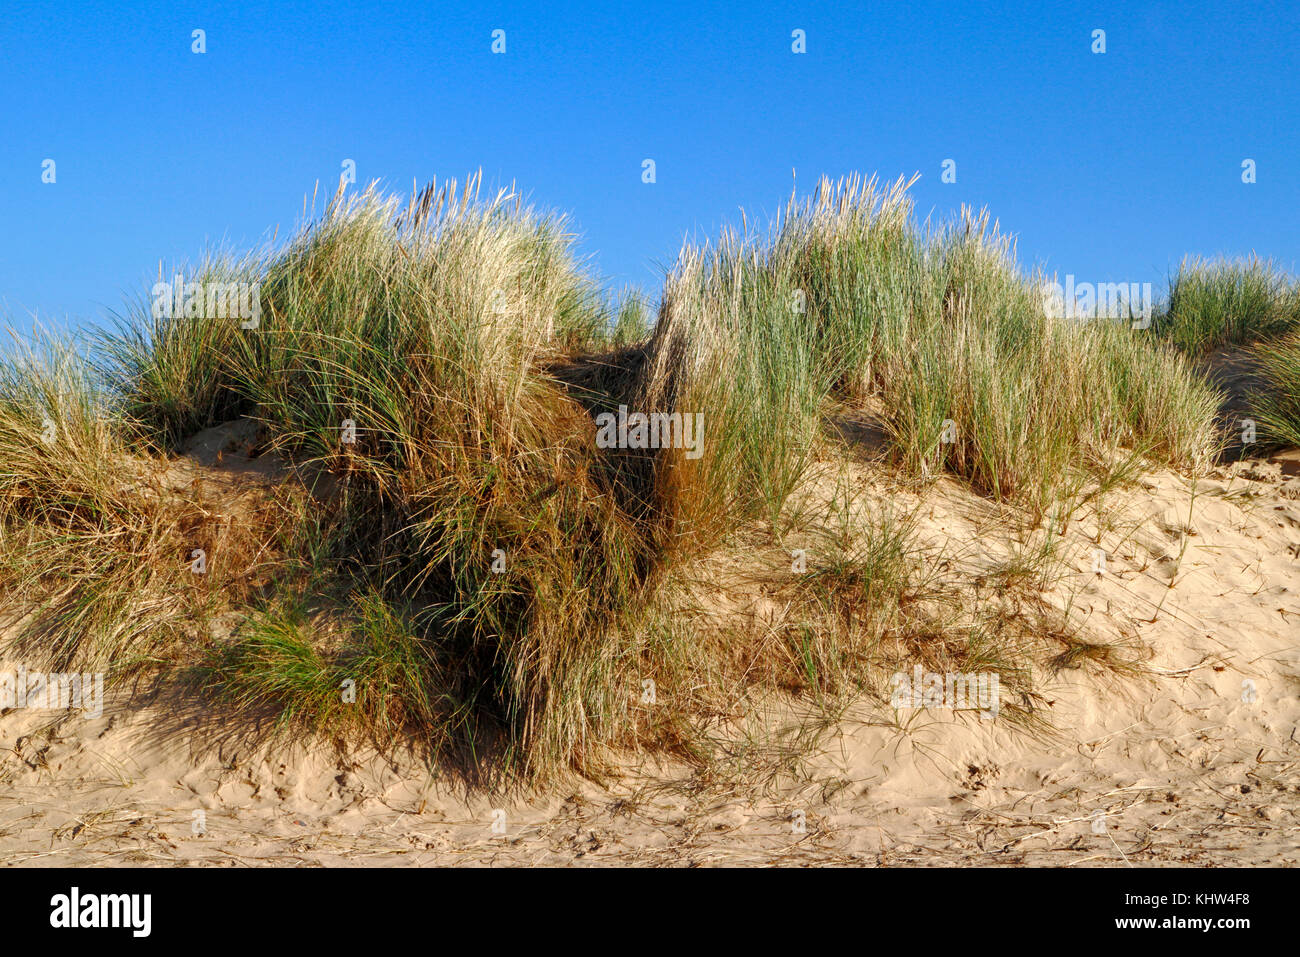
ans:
x=1192 y=759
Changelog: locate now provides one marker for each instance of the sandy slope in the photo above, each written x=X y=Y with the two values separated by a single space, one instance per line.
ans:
x=1184 y=765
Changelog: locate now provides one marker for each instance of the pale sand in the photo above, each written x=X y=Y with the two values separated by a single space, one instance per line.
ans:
x=1183 y=769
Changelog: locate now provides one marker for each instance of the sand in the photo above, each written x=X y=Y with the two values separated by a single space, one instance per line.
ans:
x=1194 y=760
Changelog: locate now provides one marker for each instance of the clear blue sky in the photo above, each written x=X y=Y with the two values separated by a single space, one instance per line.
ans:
x=1108 y=166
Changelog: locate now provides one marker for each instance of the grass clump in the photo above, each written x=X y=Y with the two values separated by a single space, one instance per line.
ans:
x=729 y=347
x=404 y=351
x=1251 y=308
x=366 y=669
x=1278 y=406
x=937 y=331
x=169 y=370
x=1216 y=303
x=97 y=541
x=972 y=377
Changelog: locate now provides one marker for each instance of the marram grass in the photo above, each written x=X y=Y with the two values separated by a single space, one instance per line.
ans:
x=450 y=544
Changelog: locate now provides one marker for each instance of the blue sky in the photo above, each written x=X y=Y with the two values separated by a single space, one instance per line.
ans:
x=1108 y=166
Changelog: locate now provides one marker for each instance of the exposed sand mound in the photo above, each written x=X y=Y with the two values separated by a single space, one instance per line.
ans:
x=1191 y=758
